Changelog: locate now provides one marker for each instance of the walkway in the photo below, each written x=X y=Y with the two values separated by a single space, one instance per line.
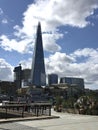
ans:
x=65 y=122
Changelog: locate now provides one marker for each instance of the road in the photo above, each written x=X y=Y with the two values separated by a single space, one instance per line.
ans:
x=65 y=122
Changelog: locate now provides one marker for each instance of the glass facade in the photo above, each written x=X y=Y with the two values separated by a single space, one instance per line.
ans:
x=38 y=76
x=70 y=80
x=18 y=76
x=52 y=79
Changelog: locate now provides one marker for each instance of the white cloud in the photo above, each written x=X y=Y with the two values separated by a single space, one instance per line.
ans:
x=85 y=52
x=6 y=71
x=26 y=64
x=68 y=65
x=49 y=42
x=22 y=46
x=4 y=21
x=52 y=14
x=3 y=17
x=1 y=11
x=89 y=53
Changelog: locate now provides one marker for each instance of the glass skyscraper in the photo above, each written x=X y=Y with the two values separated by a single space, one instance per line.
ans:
x=38 y=76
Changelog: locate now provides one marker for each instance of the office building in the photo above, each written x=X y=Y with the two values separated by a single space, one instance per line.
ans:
x=38 y=76
x=26 y=73
x=52 y=79
x=73 y=81
x=18 y=76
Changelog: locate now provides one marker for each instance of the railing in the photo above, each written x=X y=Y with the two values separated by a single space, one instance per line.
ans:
x=36 y=109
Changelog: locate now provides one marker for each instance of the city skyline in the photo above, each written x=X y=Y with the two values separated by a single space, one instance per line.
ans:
x=69 y=34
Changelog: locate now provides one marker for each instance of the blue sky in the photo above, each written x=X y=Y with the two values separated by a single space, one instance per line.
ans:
x=70 y=37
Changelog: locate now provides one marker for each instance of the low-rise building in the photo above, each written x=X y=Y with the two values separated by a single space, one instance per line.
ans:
x=79 y=82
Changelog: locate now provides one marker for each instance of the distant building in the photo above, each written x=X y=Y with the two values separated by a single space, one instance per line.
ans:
x=8 y=88
x=38 y=76
x=21 y=77
x=18 y=76
x=73 y=81
x=26 y=73
x=52 y=79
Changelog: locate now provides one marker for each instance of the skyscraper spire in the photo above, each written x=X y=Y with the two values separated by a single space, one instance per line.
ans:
x=38 y=76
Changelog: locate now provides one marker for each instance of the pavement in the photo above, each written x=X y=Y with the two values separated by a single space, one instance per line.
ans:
x=65 y=122
x=8 y=120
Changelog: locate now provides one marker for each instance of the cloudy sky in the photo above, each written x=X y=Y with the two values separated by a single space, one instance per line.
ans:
x=69 y=31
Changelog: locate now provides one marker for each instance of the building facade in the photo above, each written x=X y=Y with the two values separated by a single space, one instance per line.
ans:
x=73 y=81
x=18 y=76
x=52 y=79
x=26 y=73
x=38 y=76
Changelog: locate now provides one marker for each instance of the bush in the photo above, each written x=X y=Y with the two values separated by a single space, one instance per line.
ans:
x=87 y=105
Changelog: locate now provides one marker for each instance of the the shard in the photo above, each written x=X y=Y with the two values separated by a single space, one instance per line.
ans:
x=38 y=76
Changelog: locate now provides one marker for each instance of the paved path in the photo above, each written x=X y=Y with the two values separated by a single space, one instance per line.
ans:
x=65 y=122
x=15 y=126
